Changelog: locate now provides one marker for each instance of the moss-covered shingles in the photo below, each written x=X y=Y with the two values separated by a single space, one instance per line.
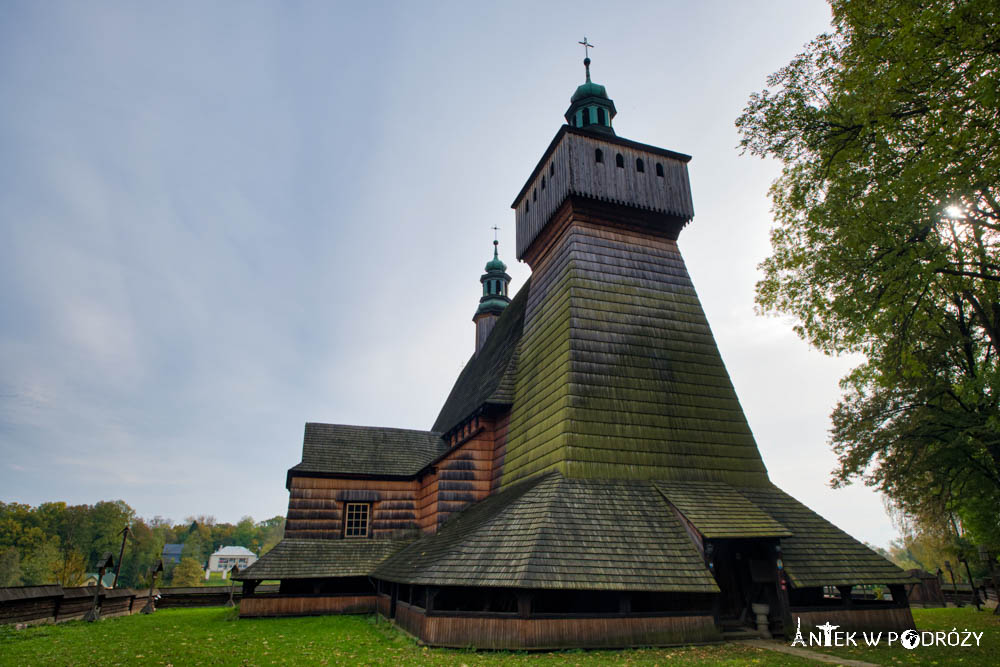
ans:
x=553 y=532
x=818 y=553
x=367 y=450
x=537 y=435
x=306 y=559
x=619 y=374
x=719 y=511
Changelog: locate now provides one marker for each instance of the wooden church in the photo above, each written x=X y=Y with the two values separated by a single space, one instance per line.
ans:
x=591 y=479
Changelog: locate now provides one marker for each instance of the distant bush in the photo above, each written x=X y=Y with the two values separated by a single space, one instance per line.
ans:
x=188 y=573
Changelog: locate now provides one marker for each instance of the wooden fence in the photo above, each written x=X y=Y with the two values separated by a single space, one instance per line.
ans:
x=53 y=604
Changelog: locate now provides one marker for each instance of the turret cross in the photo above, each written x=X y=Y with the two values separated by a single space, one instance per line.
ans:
x=586 y=46
x=496 y=230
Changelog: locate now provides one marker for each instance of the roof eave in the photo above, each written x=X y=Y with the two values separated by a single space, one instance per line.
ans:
x=293 y=472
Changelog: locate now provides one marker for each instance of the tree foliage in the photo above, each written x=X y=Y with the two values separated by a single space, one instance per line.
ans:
x=188 y=572
x=57 y=543
x=887 y=241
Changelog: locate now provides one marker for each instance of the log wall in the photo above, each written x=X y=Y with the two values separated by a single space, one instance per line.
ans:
x=29 y=604
x=306 y=605
x=75 y=603
x=466 y=474
x=47 y=604
x=553 y=633
x=927 y=591
x=499 y=449
x=315 y=506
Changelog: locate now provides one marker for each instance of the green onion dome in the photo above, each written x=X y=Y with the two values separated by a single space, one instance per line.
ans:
x=495 y=264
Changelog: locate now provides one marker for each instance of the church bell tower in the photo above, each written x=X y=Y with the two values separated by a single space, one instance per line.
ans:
x=619 y=374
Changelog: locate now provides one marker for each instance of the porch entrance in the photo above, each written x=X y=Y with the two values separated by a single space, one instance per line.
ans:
x=746 y=572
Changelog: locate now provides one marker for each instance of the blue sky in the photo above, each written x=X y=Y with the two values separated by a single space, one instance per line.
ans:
x=221 y=220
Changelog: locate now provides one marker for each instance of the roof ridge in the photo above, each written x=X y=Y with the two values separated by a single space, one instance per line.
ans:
x=538 y=528
x=485 y=372
x=375 y=428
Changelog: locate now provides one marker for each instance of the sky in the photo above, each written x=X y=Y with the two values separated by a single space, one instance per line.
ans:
x=221 y=220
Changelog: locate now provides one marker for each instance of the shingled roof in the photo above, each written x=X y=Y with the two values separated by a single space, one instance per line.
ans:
x=619 y=376
x=818 y=553
x=553 y=532
x=308 y=559
x=337 y=449
x=489 y=376
x=719 y=511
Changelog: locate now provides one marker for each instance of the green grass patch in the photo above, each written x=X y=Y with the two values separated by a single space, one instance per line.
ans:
x=945 y=619
x=215 y=636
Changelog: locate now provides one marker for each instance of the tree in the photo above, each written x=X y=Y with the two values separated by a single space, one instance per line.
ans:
x=72 y=569
x=187 y=573
x=10 y=567
x=43 y=563
x=887 y=241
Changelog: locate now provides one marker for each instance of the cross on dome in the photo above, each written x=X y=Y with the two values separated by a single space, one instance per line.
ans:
x=590 y=106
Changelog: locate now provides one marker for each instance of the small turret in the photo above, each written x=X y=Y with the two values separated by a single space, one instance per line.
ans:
x=590 y=107
x=495 y=285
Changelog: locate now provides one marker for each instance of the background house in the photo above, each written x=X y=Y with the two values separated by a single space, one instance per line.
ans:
x=225 y=558
x=172 y=553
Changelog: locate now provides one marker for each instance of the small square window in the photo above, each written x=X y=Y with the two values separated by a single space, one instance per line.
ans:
x=356 y=519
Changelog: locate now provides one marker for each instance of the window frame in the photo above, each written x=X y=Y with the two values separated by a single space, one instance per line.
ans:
x=349 y=532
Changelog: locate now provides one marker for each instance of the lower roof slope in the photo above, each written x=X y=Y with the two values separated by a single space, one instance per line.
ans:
x=818 y=553
x=310 y=559
x=719 y=511
x=558 y=533
x=338 y=449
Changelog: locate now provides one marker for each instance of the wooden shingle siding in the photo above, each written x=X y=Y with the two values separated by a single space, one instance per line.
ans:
x=462 y=477
x=499 y=450
x=315 y=506
x=577 y=173
x=554 y=633
x=305 y=605
x=616 y=348
x=459 y=478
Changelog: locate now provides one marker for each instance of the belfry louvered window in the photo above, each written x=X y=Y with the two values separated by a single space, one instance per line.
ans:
x=356 y=517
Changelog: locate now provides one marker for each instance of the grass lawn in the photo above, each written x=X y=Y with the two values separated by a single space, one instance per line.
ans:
x=966 y=618
x=215 y=636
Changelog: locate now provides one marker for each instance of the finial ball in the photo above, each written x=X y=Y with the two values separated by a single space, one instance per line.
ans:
x=586 y=62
